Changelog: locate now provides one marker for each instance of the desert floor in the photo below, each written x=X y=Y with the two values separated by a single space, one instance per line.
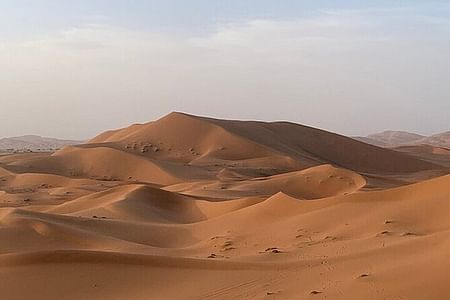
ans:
x=195 y=208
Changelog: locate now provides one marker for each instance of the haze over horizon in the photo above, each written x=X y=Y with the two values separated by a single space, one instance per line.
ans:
x=74 y=70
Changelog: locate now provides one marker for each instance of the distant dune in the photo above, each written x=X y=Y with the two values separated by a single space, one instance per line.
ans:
x=402 y=138
x=33 y=143
x=440 y=140
x=189 y=207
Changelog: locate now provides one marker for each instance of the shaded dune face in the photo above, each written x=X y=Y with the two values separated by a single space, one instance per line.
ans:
x=189 y=207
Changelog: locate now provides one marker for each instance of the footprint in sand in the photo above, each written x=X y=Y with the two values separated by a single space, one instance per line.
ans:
x=384 y=233
x=315 y=292
x=272 y=250
x=408 y=234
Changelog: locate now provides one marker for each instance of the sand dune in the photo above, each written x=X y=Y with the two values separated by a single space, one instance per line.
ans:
x=189 y=136
x=4 y=172
x=436 y=155
x=316 y=182
x=97 y=163
x=33 y=143
x=312 y=183
x=188 y=207
x=391 y=138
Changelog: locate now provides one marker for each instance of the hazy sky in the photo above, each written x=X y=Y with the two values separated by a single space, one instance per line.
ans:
x=74 y=68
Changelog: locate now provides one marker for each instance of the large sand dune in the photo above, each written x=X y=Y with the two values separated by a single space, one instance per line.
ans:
x=189 y=207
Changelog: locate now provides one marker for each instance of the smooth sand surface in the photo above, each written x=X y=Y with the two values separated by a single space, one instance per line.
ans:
x=188 y=207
